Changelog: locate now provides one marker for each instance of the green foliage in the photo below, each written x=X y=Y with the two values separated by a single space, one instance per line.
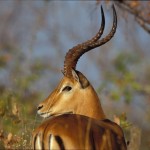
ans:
x=122 y=81
x=17 y=108
x=15 y=123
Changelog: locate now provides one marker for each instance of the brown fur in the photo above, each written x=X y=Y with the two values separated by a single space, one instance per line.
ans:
x=81 y=132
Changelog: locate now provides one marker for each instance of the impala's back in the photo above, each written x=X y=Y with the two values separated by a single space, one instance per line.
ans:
x=78 y=132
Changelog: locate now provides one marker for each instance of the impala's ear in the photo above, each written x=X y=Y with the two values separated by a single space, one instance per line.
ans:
x=78 y=76
x=75 y=75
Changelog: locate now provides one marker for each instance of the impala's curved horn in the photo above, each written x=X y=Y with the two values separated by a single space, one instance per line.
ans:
x=76 y=52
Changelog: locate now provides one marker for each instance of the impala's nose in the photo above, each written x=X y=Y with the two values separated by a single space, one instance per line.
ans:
x=39 y=107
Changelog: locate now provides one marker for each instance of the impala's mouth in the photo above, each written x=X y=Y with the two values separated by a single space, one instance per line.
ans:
x=45 y=115
x=50 y=114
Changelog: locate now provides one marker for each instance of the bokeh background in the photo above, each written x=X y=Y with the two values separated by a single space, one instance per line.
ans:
x=34 y=38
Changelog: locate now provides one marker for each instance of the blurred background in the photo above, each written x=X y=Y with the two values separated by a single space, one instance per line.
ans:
x=34 y=38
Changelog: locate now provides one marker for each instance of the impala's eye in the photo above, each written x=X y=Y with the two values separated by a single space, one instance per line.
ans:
x=67 y=88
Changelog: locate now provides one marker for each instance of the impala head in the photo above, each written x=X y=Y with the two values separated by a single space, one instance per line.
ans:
x=75 y=94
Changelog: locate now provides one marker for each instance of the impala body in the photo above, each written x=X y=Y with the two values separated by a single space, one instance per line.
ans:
x=72 y=132
x=77 y=120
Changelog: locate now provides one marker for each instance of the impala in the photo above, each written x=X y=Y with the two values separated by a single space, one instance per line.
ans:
x=77 y=120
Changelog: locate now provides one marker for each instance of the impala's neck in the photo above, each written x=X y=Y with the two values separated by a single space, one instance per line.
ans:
x=91 y=105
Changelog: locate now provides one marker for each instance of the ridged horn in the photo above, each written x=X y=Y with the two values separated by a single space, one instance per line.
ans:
x=76 y=52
